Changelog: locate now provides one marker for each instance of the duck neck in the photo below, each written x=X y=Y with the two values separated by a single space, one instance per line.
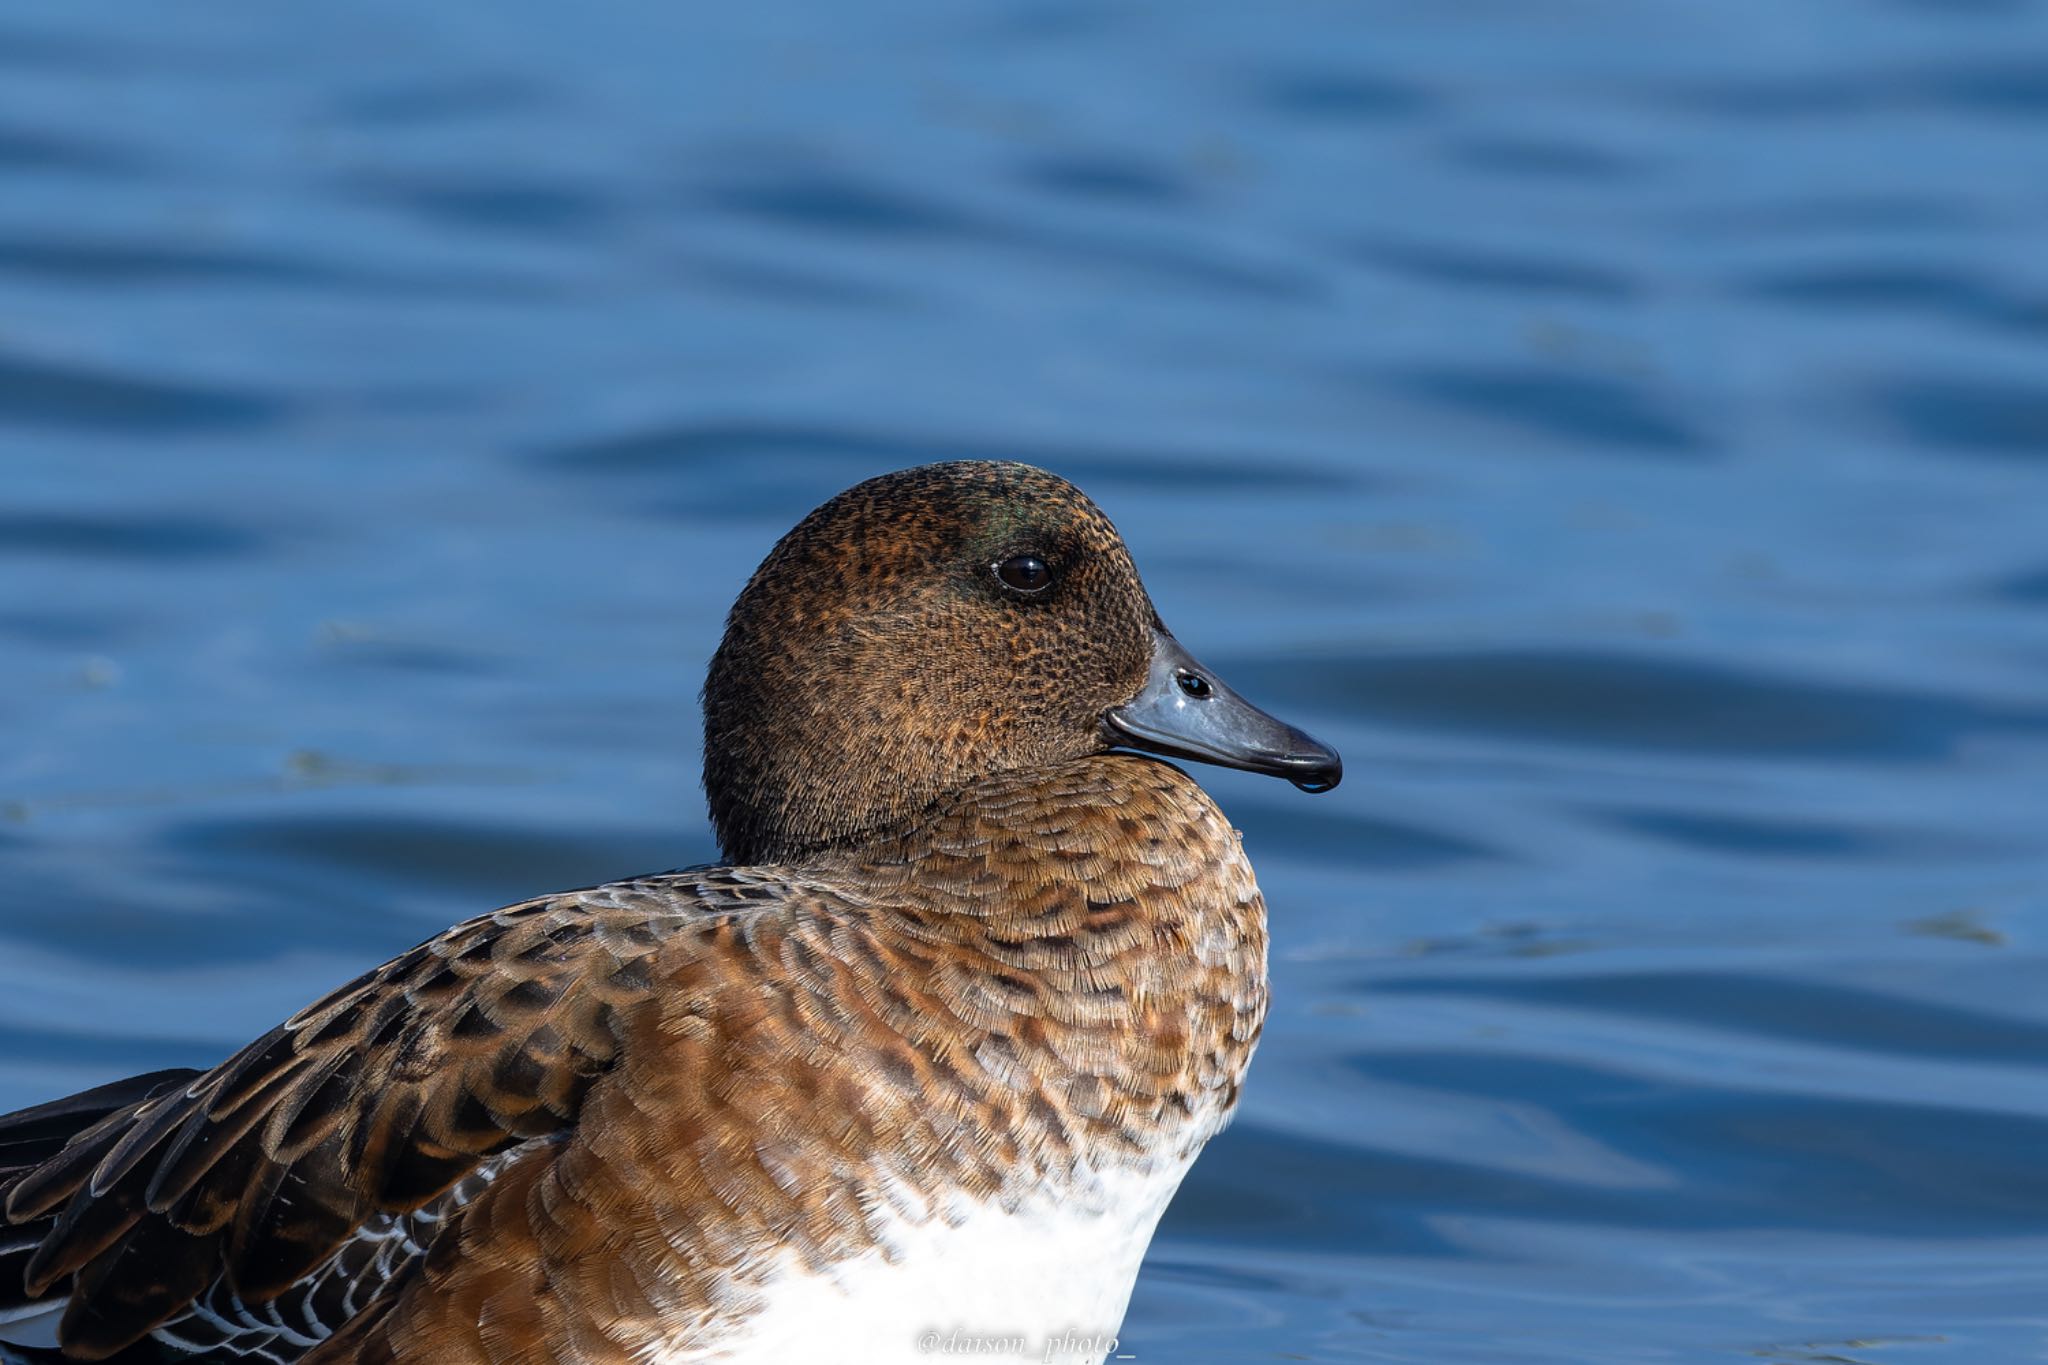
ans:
x=775 y=798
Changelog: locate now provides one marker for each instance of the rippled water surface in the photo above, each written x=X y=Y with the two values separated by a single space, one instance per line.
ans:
x=1621 y=427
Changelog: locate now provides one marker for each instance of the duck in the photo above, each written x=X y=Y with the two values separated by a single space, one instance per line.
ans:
x=914 y=1071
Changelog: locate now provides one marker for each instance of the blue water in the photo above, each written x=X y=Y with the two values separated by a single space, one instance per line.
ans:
x=1621 y=427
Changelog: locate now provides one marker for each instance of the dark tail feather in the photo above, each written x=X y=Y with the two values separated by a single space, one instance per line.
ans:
x=30 y=1137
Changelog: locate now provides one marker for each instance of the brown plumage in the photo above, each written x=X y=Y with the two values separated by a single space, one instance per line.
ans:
x=968 y=957
x=873 y=664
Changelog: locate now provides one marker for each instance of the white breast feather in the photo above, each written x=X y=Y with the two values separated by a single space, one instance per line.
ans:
x=1046 y=1283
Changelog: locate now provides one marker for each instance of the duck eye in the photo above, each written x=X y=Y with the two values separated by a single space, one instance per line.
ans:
x=1025 y=573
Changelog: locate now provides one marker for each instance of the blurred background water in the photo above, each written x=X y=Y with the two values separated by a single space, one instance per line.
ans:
x=1621 y=427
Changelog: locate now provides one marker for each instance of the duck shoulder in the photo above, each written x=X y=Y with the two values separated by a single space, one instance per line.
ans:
x=361 y=1121
x=573 y=1128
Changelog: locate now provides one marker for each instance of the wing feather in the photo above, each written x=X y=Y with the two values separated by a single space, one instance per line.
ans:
x=283 y=1163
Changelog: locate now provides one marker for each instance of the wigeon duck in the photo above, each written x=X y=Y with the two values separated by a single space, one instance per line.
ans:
x=918 y=1070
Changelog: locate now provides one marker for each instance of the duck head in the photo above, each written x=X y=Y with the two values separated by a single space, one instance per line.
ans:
x=938 y=625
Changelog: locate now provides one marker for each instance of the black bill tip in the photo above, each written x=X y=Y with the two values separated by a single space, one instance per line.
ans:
x=1185 y=711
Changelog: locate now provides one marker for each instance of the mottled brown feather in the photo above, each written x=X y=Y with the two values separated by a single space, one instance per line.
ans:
x=371 y=1101
x=918 y=1032
x=972 y=953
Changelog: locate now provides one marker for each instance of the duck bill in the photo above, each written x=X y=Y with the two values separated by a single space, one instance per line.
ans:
x=1185 y=711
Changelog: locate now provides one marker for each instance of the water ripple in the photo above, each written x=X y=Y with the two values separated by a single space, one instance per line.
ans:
x=510 y=205
x=1996 y=87
x=49 y=393
x=1495 y=270
x=444 y=99
x=113 y=262
x=1641 y=702
x=1336 y=95
x=1622 y=438
x=1772 y=836
x=1113 y=179
x=1512 y=154
x=1353 y=840
x=1972 y=415
x=143 y=536
x=772 y=449
x=1905 y=287
x=33 y=149
x=496 y=864
x=818 y=200
x=1801 y=1009
x=2030 y=588
x=1582 y=410
x=1753 y=1160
